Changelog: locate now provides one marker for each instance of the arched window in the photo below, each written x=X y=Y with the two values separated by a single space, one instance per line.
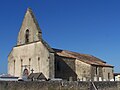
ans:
x=27 y=36
x=21 y=65
x=29 y=63
x=39 y=64
x=14 y=67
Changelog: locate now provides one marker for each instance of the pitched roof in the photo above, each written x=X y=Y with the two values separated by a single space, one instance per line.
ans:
x=34 y=19
x=36 y=76
x=89 y=59
x=47 y=46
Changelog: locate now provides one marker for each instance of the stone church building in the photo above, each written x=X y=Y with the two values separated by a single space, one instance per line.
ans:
x=33 y=55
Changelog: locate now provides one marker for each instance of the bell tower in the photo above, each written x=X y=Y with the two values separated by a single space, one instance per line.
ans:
x=31 y=51
x=30 y=30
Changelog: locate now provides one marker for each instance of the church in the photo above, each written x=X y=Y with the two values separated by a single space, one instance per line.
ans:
x=34 y=55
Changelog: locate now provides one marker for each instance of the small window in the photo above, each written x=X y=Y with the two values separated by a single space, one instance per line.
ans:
x=108 y=76
x=96 y=70
x=21 y=62
x=39 y=35
x=21 y=65
x=39 y=64
x=14 y=62
x=29 y=59
x=29 y=63
x=49 y=57
x=14 y=67
x=27 y=36
x=38 y=58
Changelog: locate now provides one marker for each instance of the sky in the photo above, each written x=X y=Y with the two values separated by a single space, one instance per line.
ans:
x=84 y=26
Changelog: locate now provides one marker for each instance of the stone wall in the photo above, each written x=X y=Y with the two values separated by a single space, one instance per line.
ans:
x=99 y=73
x=96 y=73
x=35 y=56
x=58 y=85
x=106 y=71
x=65 y=68
x=83 y=71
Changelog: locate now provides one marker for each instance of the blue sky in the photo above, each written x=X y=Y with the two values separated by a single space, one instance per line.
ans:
x=84 y=26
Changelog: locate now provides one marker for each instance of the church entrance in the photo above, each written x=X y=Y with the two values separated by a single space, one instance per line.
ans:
x=25 y=72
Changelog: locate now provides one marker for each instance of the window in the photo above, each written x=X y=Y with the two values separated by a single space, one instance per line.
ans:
x=14 y=67
x=38 y=58
x=29 y=63
x=39 y=35
x=39 y=64
x=21 y=62
x=27 y=36
x=96 y=70
x=21 y=66
x=108 y=76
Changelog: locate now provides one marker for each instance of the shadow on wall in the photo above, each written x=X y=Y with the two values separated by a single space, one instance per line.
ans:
x=65 y=68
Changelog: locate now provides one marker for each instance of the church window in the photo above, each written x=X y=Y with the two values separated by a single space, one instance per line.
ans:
x=21 y=62
x=49 y=57
x=39 y=35
x=96 y=70
x=38 y=58
x=14 y=67
x=39 y=64
x=29 y=63
x=104 y=70
x=21 y=65
x=27 y=36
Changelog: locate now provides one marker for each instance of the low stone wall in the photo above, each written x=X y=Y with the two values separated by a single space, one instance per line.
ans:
x=58 y=85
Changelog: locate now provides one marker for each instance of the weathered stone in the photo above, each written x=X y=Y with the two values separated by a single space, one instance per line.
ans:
x=33 y=53
x=56 y=85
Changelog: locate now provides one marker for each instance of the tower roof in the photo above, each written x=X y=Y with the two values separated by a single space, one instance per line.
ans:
x=30 y=30
x=29 y=10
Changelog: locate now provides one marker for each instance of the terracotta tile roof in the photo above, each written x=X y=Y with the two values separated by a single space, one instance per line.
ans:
x=89 y=59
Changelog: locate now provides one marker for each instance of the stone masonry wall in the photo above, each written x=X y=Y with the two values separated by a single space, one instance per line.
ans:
x=83 y=70
x=58 y=85
x=35 y=56
x=65 y=68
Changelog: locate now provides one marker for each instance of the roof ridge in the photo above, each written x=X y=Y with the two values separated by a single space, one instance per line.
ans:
x=34 y=18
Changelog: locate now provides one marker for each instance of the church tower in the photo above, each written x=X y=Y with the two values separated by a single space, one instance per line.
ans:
x=31 y=51
x=30 y=30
